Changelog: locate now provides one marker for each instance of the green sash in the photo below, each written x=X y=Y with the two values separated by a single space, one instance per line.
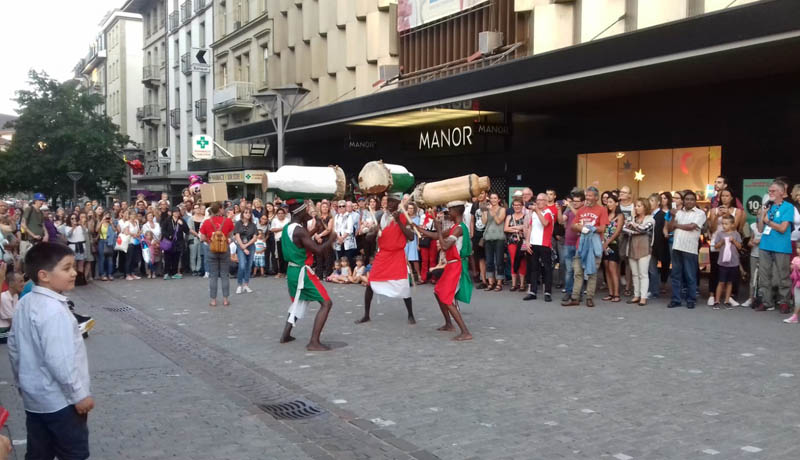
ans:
x=464 y=293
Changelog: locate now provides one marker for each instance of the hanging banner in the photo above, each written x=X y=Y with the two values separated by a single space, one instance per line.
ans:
x=753 y=191
x=414 y=13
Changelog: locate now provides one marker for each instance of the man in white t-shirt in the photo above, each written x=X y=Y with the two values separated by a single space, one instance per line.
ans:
x=686 y=226
x=626 y=207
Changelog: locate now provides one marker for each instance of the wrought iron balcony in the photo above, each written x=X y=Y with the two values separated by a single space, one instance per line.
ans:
x=200 y=109
x=199 y=5
x=174 y=21
x=151 y=75
x=175 y=118
x=150 y=113
x=186 y=11
x=234 y=97
x=186 y=63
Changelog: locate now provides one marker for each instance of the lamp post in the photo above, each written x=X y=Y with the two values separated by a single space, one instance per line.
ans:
x=75 y=176
x=280 y=103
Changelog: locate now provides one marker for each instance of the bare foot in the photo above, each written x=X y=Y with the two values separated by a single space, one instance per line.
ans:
x=462 y=337
x=317 y=347
x=362 y=320
x=213 y=303
x=446 y=327
x=411 y=320
x=287 y=339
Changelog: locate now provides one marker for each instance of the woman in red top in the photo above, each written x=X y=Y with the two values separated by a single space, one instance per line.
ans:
x=218 y=262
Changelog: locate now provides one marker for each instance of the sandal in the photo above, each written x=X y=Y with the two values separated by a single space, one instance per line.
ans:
x=615 y=299
x=643 y=302
x=607 y=298
x=489 y=287
x=513 y=289
x=634 y=300
x=627 y=292
x=498 y=287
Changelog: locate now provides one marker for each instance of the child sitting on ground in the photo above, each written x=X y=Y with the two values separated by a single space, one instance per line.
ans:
x=795 y=277
x=728 y=242
x=337 y=272
x=259 y=258
x=48 y=358
x=359 y=273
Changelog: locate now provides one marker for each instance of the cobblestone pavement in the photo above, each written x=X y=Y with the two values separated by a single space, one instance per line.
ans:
x=538 y=381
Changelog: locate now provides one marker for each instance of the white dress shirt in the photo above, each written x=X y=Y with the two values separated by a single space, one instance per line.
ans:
x=47 y=353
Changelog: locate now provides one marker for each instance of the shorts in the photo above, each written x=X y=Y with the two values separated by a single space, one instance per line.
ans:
x=611 y=255
x=258 y=260
x=728 y=274
x=477 y=250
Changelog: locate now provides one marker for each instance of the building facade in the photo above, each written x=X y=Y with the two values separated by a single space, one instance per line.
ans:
x=189 y=38
x=123 y=71
x=558 y=93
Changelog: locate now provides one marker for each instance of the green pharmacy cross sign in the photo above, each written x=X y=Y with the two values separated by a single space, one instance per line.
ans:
x=248 y=176
x=202 y=142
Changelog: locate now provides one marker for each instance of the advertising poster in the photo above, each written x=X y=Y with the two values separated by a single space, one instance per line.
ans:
x=414 y=13
x=753 y=191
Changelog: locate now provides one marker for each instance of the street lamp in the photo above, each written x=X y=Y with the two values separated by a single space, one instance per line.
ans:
x=75 y=176
x=274 y=101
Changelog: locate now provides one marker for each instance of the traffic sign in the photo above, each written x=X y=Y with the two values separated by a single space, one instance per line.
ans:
x=200 y=60
x=202 y=147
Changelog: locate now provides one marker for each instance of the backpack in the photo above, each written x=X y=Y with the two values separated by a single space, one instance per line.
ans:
x=219 y=242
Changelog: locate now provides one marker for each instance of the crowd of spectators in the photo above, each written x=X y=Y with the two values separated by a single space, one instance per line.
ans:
x=632 y=248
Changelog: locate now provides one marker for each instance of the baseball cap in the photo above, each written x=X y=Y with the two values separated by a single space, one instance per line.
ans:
x=39 y=197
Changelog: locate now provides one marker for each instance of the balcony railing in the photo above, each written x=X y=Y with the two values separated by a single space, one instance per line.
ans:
x=186 y=11
x=175 y=118
x=148 y=113
x=200 y=108
x=151 y=75
x=233 y=97
x=186 y=63
x=199 y=5
x=174 y=21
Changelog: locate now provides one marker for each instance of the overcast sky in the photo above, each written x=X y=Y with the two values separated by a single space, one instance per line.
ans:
x=49 y=35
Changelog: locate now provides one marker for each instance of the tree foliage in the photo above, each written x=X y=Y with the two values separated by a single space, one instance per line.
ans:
x=59 y=129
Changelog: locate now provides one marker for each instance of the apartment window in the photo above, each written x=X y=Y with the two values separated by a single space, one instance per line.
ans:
x=188 y=41
x=202 y=86
x=264 y=67
x=223 y=74
x=189 y=97
x=223 y=18
x=202 y=35
x=177 y=98
x=246 y=67
x=177 y=54
x=156 y=61
x=237 y=71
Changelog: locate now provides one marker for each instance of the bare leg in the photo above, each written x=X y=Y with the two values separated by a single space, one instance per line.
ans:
x=448 y=325
x=367 y=305
x=319 y=322
x=287 y=332
x=411 y=319
x=482 y=267
x=718 y=294
x=465 y=334
x=728 y=289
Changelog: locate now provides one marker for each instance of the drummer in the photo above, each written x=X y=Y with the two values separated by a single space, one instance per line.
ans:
x=455 y=284
x=389 y=274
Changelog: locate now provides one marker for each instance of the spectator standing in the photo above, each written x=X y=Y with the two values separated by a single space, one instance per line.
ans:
x=218 y=262
x=196 y=249
x=640 y=230
x=725 y=207
x=412 y=246
x=32 y=224
x=557 y=206
x=479 y=210
x=662 y=205
x=281 y=220
x=244 y=234
x=720 y=184
x=515 y=236
x=775 y=249
x=326 y=256
x=258 y=209
x=626 y=206
x=427 y=246
x=494 y=238
x=590 y=222
x=344 y=225
x=76 y=237
x=106 y=237
x=538 y=240
x=175 y=231
x=795 y=279
x=686 y=227
x=130 y=226
x=755 y=239
x=728 y=242
x=570 y=240
x=612 y=255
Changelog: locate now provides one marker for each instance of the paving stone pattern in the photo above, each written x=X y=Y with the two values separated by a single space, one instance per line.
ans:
x=538 y=381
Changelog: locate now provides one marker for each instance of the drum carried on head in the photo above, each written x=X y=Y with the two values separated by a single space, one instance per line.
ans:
x=462 y=188
x=306 y=182
x=377 y=177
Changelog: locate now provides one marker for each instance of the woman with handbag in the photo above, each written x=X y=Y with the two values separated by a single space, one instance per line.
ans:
x=77 y=241
x=87 y=222
x=218 y=254
x=495 y=240
x=412 y=247
x=128 y=242
x=106 y=237
x=427 y=247
x=173 y=237
x=640 y=229
x=515 y=233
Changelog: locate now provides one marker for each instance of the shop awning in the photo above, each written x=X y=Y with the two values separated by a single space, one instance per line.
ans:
x=740 y=42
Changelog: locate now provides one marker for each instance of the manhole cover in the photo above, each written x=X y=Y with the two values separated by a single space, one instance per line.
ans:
x=293 y=410
x=119 y=309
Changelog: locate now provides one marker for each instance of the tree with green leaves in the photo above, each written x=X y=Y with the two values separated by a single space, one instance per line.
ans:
x=59 y=129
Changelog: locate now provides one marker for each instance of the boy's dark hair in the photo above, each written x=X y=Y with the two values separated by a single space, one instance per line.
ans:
x=44 y=256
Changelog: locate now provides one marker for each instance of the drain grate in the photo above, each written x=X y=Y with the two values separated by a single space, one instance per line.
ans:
x=119 y=309
x=292 y=410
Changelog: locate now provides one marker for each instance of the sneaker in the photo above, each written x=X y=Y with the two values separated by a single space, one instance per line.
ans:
x=785 y=309
x=177 y=276
x=247 y=289
x=547 y=297
x=711 y=301
x=673 y=305
x=791 y=320
x=166 y=277
x=567 y=298
x=733 y=303
x=206 y=275
x=238 y=289
x=85 y=326
x=747 y=303
x=770 y=308
x=715 y=306
x=690 y=306
x=530 y=296
x=761 y=307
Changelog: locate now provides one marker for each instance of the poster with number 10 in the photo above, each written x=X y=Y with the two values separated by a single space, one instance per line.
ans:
x=753 y=191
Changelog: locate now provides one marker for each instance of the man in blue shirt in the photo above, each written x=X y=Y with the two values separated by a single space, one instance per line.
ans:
x=775 y=249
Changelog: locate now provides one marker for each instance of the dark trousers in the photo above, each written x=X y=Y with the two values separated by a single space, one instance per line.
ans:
x=540 y=263
x=684 y=277
x=63 y=434
x=132 y=259
x=282 y=264
x=171 y=260
x=324 y=264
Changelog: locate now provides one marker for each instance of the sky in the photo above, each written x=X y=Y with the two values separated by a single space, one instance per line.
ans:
x=49 y=35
